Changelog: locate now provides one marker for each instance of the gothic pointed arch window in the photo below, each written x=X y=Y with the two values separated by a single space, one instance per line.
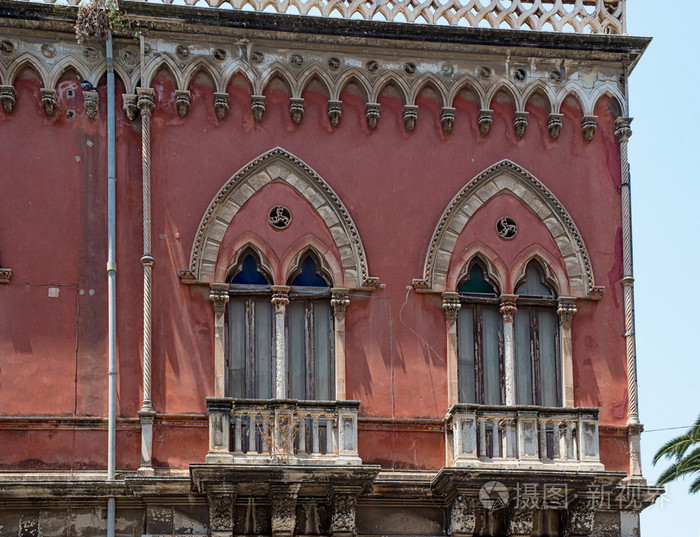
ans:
x=537 y=362
x=250 y=334
x=310 y=363
x=480 y=341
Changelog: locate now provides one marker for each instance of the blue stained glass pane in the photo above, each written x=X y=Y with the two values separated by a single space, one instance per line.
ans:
x=309 y=275
x=476 y=282
x=250 y=273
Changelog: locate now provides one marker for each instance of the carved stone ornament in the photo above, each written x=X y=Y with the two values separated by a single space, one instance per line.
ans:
x=49 y=98
x=296 y=109
x=554 y=125
x=340 y=300
x=451 y=304
x=130 y=106
x=579 y=520
x=588 y=127
x=220 y=512
x=622 y=127
x=280 y=298
x=283 y=503
x=566 y=309
x=485 y=121
x=508 y=307
x=257 y=105
x=463 y=516
x=372 y=114
x=335 y=112
x=7 y=96
x=221 y=105
x=506 y=227
x=279 y=217
x=182 y=102
x=520 y=522
x=146 y=101
x=5 y=275
x=343 y=513
x=520 y=123
x=218 y=294
x=410 y=116
x=91 y=102
x=447 y=119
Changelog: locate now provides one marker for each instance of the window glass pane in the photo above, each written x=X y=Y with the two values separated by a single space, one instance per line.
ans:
x=322 y=351
x=296 y=323
x=532 y=285
x=548 y=363
x=236 y=346
x=250 y=273
x=523 y=358
x=476 y=282
x=465 y=338
x=310 y=274
x=263 y=348
x=491 y=356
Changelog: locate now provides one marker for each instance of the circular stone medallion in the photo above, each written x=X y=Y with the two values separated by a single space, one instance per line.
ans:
x=279 y=217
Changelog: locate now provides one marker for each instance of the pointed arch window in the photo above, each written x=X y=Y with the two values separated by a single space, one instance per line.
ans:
x=310 y=352
x=480 y=341
x=536 y=325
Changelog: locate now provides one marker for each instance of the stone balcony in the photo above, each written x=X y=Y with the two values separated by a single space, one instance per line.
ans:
x=282 y=432
x=523 y=437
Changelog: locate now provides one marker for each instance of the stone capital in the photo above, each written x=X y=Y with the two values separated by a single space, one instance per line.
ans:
x=218 y=294
x=623 y=132
x=566 y=309
x=280 y=297
x=450 y=304
x=463 y=516
x=283 y=504
x=145 y=100
x=340 y=300
x=508 y=307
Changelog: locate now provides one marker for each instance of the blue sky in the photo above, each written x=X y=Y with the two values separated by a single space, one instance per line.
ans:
x=666 y=191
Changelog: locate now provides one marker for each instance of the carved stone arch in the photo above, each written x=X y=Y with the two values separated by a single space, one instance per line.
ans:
x=385 y=79
x=491 y=273
x=236 y=68
x=203 y=64
x=315 y=71
x=543 y=88
x=249 y=242
x=471 y=82
x=496 y=270
x=352 y=74
x=281 y=166
x=428 y=79
x=100 y=70
x=510 y=88
x=572 y=88
x=506 y=176
x=292 y=266
x=519 y=269
x=610 y=90
x=162 y=62
x=279 y=70
x=66 y=63
x=23 y=61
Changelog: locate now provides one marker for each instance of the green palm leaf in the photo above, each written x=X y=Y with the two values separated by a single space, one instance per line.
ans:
x=684 y=451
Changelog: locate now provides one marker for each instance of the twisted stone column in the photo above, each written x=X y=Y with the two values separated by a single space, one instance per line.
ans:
x=508 y=309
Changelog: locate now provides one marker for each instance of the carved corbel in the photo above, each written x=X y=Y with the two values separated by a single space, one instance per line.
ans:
x=520 y=523
x=588 y=127
x=623 y=132
x=340 y=300
x=91 y=102
x=485 y=121
x=463 y=516
x=410 y=116
x=579 y=520
x=221 y=512
x=335 y=112
x=283 y=507
x=520 y=123
x=182 y=102
x=49 y=99
x=372 y=114
x=5 y=275
x=130 y=106
x=566 y=309
x=7 y=96
x=447 y=119
x=344 y=507
x=296 y=109
x=221 y=105
x=554 y=125
x=451 y=304
x=218 y=294
x=257 y=105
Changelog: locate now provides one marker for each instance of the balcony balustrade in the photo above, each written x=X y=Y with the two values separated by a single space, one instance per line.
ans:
x=285 y=432
x=524 y=437
x=579 y=16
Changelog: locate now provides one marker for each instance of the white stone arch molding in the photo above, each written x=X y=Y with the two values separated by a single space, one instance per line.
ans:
x=281 y=166
x=506 y=176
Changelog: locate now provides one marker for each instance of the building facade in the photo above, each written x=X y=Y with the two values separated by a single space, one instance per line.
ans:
x=350 y=268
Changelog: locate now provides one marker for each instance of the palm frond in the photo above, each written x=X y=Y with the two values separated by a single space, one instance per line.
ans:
x=668 y=475
x=695 y=486
x=675 y=448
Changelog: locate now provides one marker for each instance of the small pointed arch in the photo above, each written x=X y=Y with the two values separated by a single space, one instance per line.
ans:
x=508 y=88
x=429 y=80
x=331 y=265
x=553 y=271
x=203 y=64
x=534 y=279
x=315 y=72
x=276 y=70
x=68 y=63
x=543 y=89
x=129 y=82
x=389 y=78
x=506 y=176
x=24 y=61
x=230 y=256
x=239 y=68
x=162 y=62
x=475 y=278
x=280 y=166
x=611 y=90
x=249 y=268
x=307 y=269
x=495 y=269
x=571 y=88
x=351 y=75
x=467 y=81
